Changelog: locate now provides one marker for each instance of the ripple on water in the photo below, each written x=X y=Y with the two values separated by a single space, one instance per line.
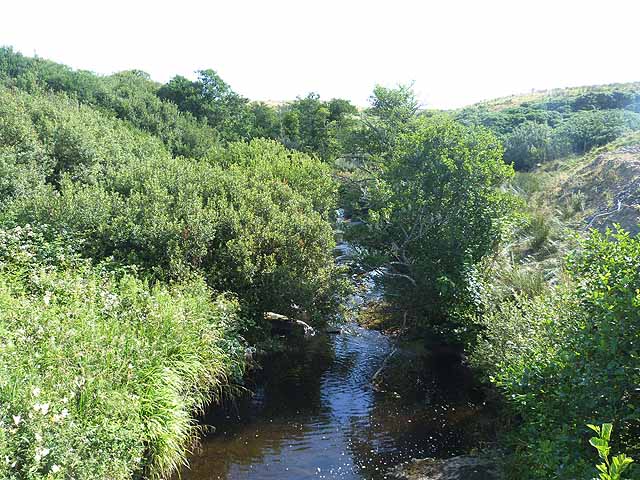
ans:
x=315 y=415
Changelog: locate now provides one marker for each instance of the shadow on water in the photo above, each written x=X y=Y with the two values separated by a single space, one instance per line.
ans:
x=314 y=414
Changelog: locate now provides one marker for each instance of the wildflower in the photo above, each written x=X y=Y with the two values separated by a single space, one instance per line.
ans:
x=43 y=408
x=41 y=452
x=55 y=468
x=58 y=417
x=35 y=392
x=17 y=419
x=38 y=437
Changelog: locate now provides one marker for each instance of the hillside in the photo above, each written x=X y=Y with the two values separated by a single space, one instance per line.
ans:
x=545 y=126
x=615 y=95
x=607 y=185
x=595 y=190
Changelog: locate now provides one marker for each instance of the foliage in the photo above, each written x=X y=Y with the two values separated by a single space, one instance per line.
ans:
x=253 y=218
x=552 y=125
x=102 y=372
x=432 y=212
x=528 y=144
x=108 y=359
x=48 y=136
x=246 y=233
x=610 y=469
x=269 y=161
x=570 y=355
x=129 y=95
x=593 y=128
x=211 y=99
x=315 y=126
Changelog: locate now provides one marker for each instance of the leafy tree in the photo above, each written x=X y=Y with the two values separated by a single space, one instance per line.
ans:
x=210 y=98
x=391 y=114
x=306 y=125
x=432 y=211
x=265 y=121
x=593 y=128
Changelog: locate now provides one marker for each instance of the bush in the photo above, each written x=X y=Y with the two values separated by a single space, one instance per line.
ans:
x=433 y=212
x=256 y=237
x=570 y=357
x=102 y=373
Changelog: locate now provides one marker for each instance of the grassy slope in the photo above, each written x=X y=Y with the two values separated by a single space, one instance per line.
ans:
x=598 y=190
x=541 y=96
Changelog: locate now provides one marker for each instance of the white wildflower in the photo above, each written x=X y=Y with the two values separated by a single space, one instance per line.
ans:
x=35 y=392
x=17 y=419
x=41 y=452
x=43 y=408
x=55 y=468
x=58 y=417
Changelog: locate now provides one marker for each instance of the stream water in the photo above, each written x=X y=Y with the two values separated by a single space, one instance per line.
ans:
x=314 y=414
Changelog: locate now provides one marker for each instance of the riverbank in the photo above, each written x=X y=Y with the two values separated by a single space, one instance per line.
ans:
x=102 y=374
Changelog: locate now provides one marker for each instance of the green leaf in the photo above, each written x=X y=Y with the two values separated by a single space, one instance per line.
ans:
x=595 y=428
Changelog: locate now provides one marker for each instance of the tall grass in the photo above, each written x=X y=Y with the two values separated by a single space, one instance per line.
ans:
x=101 y=374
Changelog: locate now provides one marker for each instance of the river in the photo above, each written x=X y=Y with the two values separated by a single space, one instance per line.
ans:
x=315 y=414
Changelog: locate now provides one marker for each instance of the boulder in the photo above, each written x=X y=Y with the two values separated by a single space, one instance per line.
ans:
x=456 y=468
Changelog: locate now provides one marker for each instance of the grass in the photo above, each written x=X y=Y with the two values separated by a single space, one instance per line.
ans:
x=102 y=374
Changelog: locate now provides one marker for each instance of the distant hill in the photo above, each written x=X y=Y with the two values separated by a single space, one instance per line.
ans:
x=573 y=96
x=547 y=125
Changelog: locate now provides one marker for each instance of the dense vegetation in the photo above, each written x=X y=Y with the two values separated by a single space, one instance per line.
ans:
x=146 y=228
x=102 y=373
x=139 y=248
x=552 y=124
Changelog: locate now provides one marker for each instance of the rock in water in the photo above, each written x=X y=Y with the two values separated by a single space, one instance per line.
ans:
x=456 y=468
x=281 y=324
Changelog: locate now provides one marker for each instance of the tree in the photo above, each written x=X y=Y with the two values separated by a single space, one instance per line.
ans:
x=392 y=113
x=432 y=212
x=265 y=121
x=592 y=128
x=210 y=98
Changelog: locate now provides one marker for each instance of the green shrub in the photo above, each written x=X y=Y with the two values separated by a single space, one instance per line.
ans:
x=102 y=374
x=569 y=356
x=433 y=211
x=611 y=468
x=244 y=228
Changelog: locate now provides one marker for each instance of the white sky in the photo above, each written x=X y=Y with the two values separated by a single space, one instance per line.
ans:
x=456 y=51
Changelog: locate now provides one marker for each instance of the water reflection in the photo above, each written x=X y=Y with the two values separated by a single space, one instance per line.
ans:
x=315 y=415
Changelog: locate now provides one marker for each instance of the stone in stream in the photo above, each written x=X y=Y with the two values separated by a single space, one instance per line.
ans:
x=281 y=324
x=455 y=468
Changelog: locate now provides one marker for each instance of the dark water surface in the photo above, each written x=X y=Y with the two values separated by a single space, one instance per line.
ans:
x=314 y=414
